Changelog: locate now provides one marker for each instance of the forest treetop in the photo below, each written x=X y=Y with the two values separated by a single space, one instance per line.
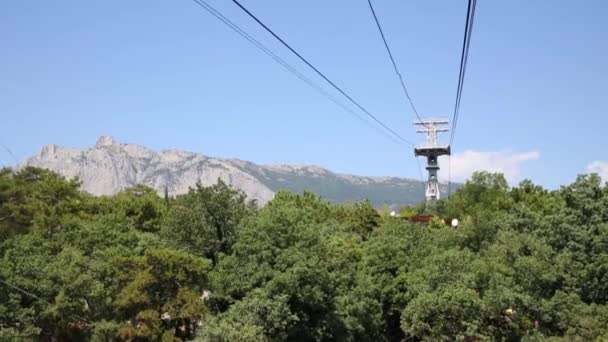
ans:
x=525 y=263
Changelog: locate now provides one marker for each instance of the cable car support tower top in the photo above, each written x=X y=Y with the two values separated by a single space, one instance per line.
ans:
x=432 y=150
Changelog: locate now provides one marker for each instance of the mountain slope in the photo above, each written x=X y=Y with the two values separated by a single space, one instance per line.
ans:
x=111 y=166
x=339 y=187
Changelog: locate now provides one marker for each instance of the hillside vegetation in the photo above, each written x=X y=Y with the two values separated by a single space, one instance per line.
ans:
x=524 y=264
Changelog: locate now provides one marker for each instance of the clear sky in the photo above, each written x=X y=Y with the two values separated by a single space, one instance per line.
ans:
x=165 y=74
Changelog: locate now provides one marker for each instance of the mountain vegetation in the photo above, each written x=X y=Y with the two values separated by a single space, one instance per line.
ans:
x=524 y=264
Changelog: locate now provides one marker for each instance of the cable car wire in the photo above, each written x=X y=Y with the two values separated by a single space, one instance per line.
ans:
x=289 y=67
x=463 y=63
x=8 y=150
x=38 y=298
x=400 y=76
x=333 y=84
x=390 y=54
x=394 y=137
x=463 y=68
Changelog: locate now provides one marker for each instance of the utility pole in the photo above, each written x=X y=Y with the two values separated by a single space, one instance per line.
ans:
x=432 y=150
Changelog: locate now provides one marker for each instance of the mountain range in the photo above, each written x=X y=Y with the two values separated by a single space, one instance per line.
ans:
x=111 y=166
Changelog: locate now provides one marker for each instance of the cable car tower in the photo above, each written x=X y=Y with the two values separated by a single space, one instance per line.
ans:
x=432 y=150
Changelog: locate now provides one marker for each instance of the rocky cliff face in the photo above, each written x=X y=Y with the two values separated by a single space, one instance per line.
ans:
x=112 y=166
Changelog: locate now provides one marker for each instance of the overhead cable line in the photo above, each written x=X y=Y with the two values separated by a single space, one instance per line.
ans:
x=390 y=54
x=407 y=95
x=378 y=121
x=288 y=67
x=463 y=63
x=468 y=30
x=394 y=137
x=10 y=153
x=38 y=298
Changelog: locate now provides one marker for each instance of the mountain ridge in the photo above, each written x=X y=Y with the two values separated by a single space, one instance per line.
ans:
x=111 y=166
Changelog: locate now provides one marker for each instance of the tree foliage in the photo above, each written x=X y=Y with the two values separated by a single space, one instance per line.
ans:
x=525 y=263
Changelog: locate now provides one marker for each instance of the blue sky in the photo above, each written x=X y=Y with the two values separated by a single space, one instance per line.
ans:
x=165 y=74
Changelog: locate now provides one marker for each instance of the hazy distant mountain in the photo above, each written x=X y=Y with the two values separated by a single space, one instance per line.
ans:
x=111 y=166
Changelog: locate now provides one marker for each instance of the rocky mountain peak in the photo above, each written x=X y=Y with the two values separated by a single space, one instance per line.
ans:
x=105 y=140
x=48 y=150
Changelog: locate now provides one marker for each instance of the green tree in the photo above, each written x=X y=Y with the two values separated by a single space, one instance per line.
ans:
x=361 y=217
x=39 y=199
x=285 y=258
x=161 y=294
x=525 y=264
x=484 y=192
x=205 y=220
x=141 y=206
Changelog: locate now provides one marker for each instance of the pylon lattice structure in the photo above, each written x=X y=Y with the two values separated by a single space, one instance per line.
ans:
x=432 y=150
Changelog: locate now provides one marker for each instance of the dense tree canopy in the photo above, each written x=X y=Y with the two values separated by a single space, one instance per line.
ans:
x=525 y=263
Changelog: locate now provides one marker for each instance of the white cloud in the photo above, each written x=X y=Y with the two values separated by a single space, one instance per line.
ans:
x=506 y=162
x=599 y=167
